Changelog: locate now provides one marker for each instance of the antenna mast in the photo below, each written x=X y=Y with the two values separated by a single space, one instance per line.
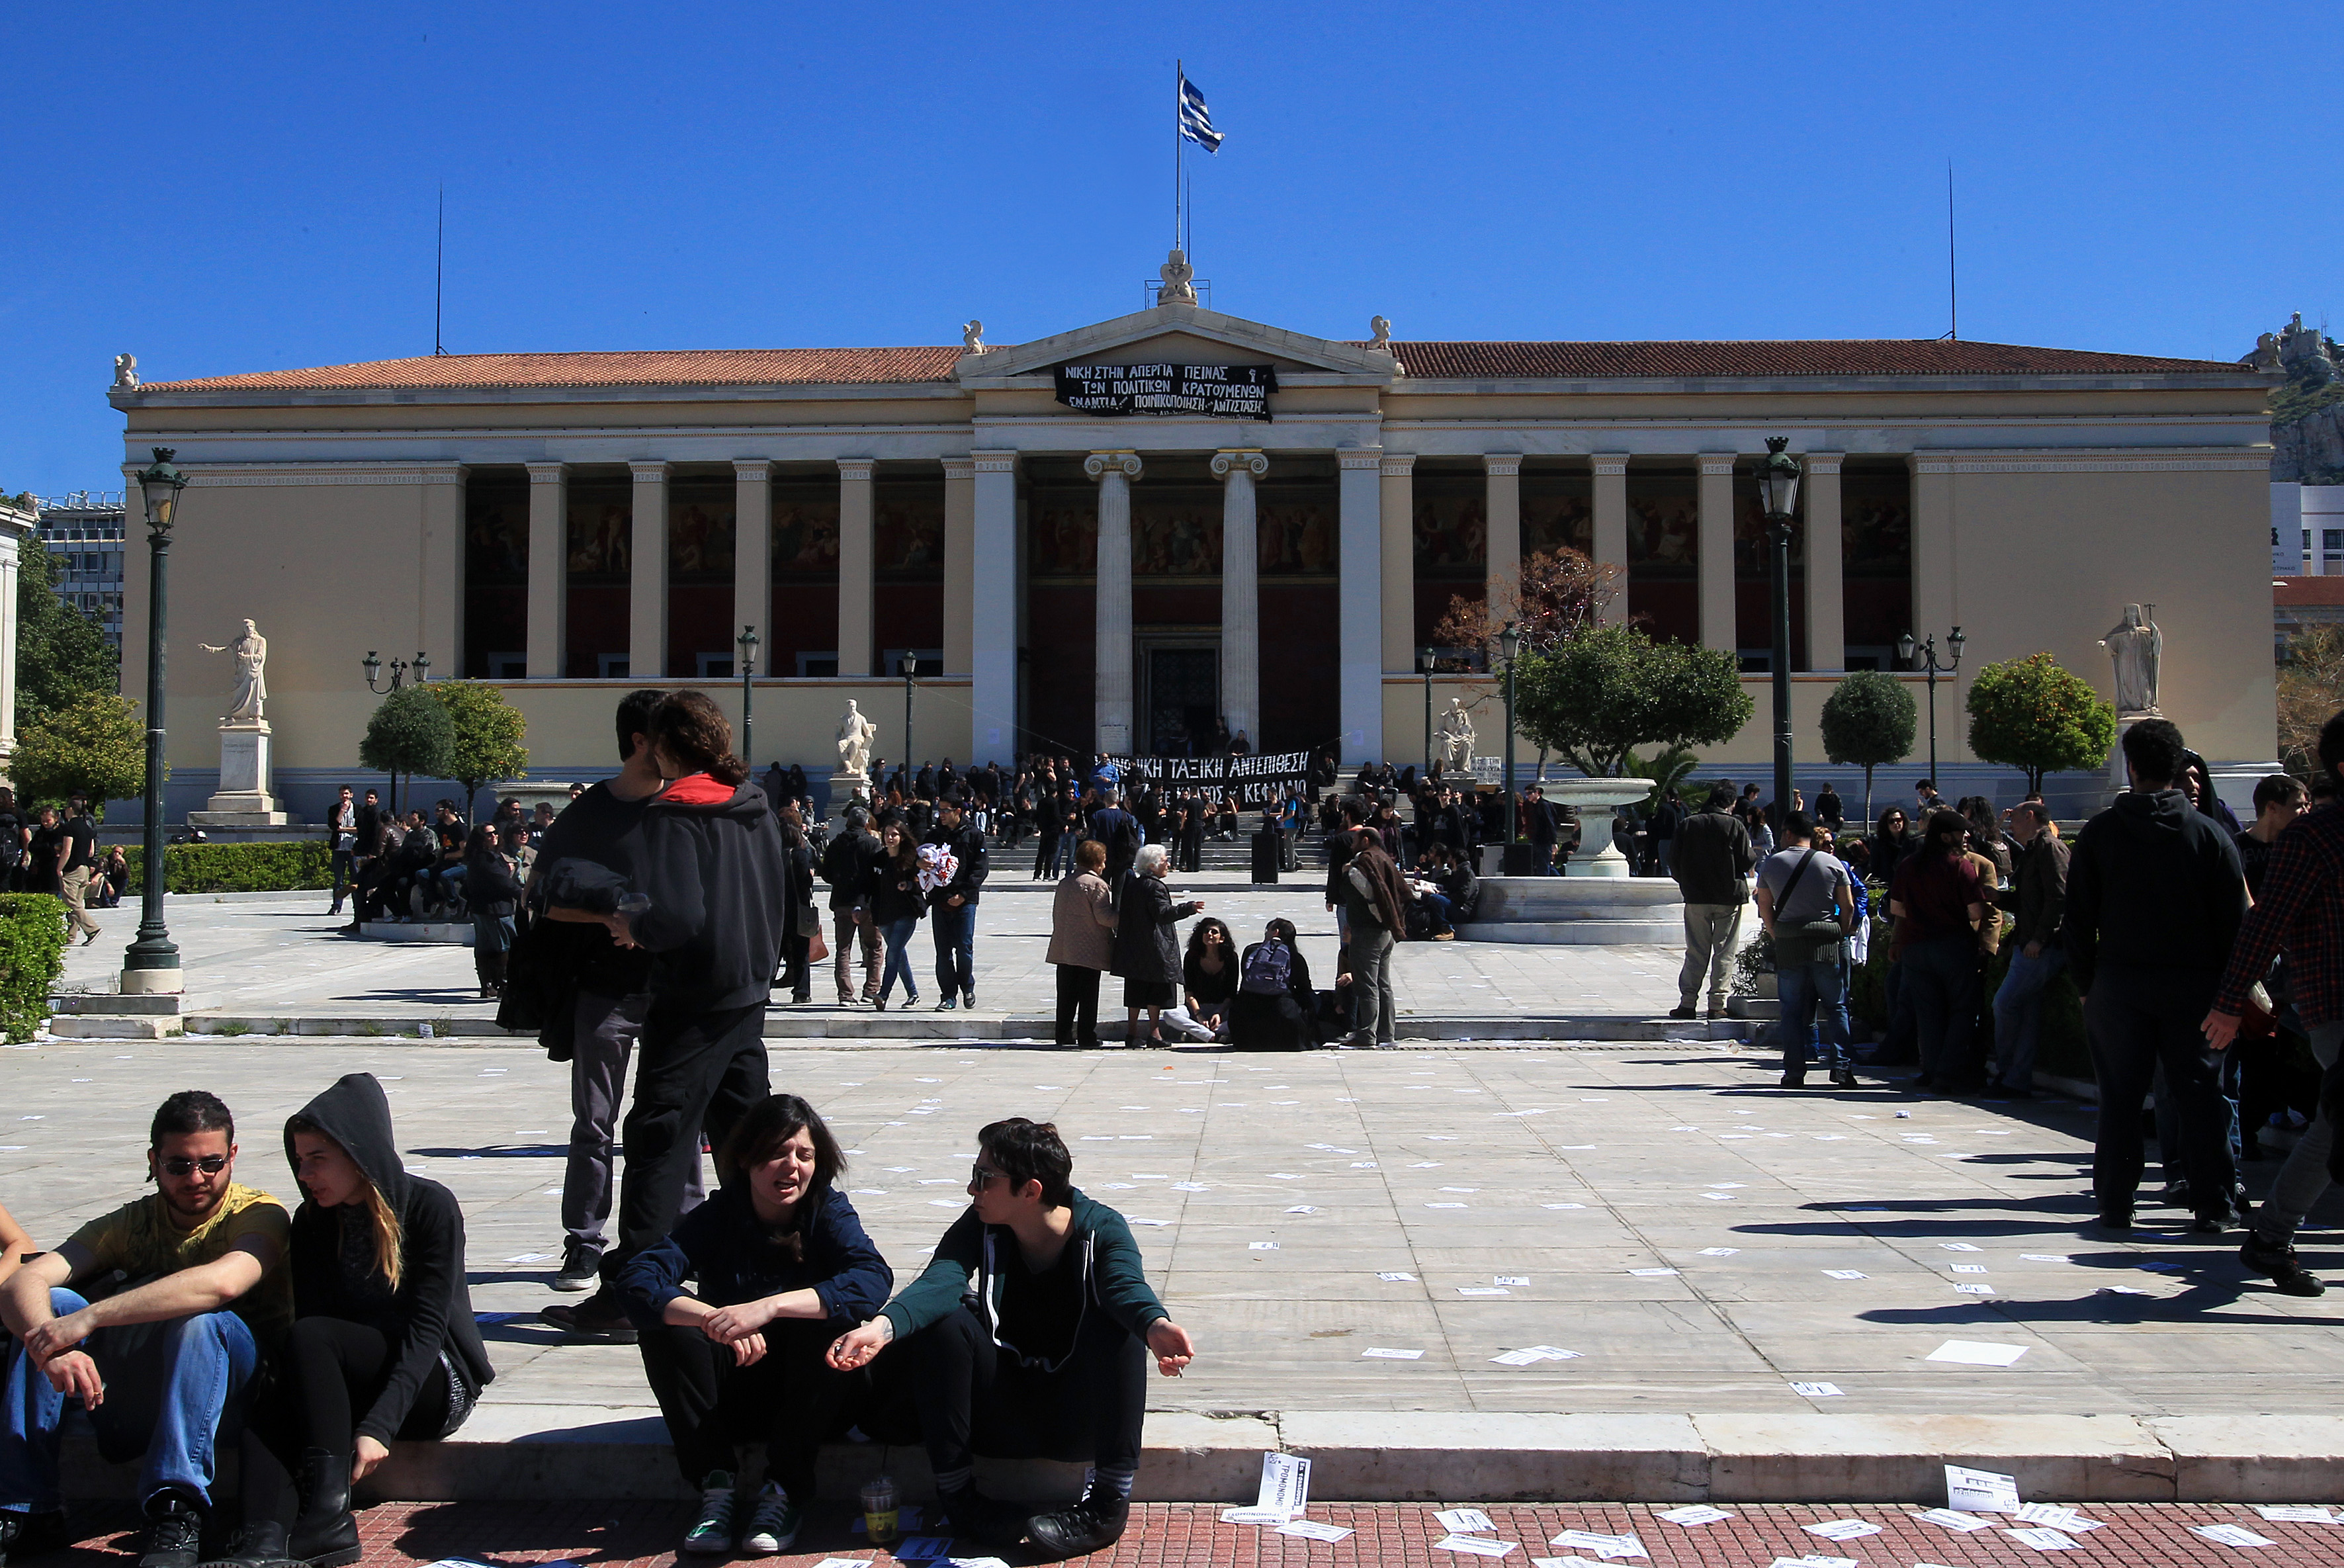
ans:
x=440 y=272
x=1952 y=280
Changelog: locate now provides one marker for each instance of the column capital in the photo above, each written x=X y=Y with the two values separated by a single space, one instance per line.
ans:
x=1230 y=460
x=1098 y=465
x=994 y=461
x=651 y=472
x=960 y=468
x=1821 y=462
x=1359 y=457
x=429 y=472
x=1501 y=465
x=548 y=474
x=857 y=468
x=753 y=468
x=1609 y=463
x=1716 y=463
x=1397 y=465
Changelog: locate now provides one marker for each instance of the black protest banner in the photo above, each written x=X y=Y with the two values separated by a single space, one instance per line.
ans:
x=1252 y=781
x=1216 y=391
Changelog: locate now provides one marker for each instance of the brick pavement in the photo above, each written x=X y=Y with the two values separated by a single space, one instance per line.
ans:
x=1179 y=1535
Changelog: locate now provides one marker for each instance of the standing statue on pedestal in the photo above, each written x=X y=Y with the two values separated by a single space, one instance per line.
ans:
x=1452 y=741
x=251 y=651
x=2138 y=648
x=855 y=734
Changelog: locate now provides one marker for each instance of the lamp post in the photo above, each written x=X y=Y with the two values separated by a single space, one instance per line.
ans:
x=1927 y=651
x=1424 y=663
x=151 y=962
x=372 y=665
x=1778 y=494
x=908 y=666
x=1509 y=640
x=748 y=661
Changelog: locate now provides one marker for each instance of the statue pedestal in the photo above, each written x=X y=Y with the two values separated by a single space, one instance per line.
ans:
x=2119 y=780
x=244 y=798
x=843 y=788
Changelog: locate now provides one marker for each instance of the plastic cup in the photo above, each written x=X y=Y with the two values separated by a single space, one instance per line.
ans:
x=879 y=1510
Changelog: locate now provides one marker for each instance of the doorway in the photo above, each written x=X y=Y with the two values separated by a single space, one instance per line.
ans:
x=1180 y=696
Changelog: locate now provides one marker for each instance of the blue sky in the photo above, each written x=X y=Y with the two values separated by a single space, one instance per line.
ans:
x=231 y=188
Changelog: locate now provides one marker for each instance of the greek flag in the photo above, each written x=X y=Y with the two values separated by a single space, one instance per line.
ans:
x=1196 y=120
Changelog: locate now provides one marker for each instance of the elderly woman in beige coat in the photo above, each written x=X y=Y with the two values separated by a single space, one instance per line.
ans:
x=1082 y=943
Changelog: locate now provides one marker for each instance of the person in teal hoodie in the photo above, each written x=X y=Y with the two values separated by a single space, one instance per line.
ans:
x=1028 y=1333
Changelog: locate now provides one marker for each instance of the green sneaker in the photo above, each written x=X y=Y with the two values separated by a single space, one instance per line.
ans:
x=719 y=1506
x=773 y=1525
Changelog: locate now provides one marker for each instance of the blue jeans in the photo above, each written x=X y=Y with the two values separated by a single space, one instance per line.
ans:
x=1437 y=905
x=899 y=958
x=955 y=931
x=1062 y=863
x=1814 y=1001
x=2018 y=1014
x=173 y=1390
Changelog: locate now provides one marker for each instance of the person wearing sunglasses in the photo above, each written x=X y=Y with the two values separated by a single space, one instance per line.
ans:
x=1029 y=1335
x=164 y=1365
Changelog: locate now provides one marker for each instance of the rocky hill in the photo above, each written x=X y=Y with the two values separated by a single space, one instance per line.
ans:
x=2307 y=408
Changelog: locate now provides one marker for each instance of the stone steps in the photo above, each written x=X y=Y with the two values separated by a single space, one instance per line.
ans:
x=112 y=1016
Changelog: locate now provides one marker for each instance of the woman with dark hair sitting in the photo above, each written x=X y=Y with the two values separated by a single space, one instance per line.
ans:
x=384 y=1343
x=1208 y=974
x=782 y=1267
x=1274 y=1008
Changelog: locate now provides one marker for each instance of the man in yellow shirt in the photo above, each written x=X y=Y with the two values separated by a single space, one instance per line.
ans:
x=195 y=1290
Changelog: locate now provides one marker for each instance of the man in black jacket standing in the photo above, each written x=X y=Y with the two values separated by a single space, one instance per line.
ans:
x=2155 y=899
x=953 y=906
x=845 y=864
x=1712 y=860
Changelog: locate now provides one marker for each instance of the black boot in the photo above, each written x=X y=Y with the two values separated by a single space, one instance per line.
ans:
x=261 y=1545
x=175 y=1532
x=1093 y=1524
x=325 y=1536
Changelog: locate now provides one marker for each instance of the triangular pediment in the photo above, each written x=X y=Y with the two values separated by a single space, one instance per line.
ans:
x=1187 y=334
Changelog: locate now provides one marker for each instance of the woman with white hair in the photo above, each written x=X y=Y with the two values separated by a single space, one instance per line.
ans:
x=1147 y=948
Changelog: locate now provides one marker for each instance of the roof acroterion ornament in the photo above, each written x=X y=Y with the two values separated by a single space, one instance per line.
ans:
x=1178 y=287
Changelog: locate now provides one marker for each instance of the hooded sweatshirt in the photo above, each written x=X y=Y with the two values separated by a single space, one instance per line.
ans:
x=2153 y=884
x=431 y=1310
x=717 y=876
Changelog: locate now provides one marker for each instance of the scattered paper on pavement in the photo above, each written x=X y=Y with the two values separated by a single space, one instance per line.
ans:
x=1464 y=1522
x=1954 y=1519
x=1605 y=1546
x=2297 y=1514
x=1477 y=1546
x=1311 y=1530
x=2043 y=1539
x=1842 y=1529
x=1694 y=1515
x=1818 y=1390
x=1980 y=1491
x=2057 y=1515
x=1374 y=1353
x=1976 y=1353
x=2230 y=1535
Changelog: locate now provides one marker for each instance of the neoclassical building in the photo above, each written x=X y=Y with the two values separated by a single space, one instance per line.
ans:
x=1113 y=536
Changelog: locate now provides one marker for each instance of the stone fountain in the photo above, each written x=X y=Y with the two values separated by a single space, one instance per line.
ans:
x=1598 y=900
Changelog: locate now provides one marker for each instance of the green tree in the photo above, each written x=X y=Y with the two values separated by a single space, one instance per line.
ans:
x=2031 y=714
x=95 y=745
x=1868 y=722
x=1610 y=689
x=488 y=733
x=409 y=734
x=62 y=653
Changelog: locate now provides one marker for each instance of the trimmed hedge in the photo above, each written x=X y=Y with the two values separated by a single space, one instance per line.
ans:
x=279 y=866
x=32 y=957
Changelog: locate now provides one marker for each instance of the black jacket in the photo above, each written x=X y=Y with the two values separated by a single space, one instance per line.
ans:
x=846 y=866
x=431 y=1310
x=891 y=895
x=717 y=876
x=1147 y=948
x=2037 y=893
x=969 y=868
x=1712 y=854
x=489 y=883
x=2153 y=884
x=722 y=1245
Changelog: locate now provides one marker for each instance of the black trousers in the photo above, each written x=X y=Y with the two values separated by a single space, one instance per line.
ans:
x=2136 y=1020
x=695 y=1071
x=329 y=1374
x=974 y=1396
x=714 y=1406
x=1078 y=990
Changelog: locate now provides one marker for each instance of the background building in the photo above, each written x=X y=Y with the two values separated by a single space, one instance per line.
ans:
x=568 y=524
x=83 y=532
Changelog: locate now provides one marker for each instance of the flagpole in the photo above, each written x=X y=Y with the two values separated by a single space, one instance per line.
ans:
x=1179 y=75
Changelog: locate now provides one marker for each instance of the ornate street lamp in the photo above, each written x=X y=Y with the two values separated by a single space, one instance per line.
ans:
x=372 y=665
x=1424 y=664
x=151 y=962
x=1927 y=651
x=1778 y=495
x=747 y=643
x=1509 y=640
x=908 y=666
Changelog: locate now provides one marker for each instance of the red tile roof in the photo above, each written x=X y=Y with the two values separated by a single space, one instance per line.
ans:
x=1789 y=357
x=630 y=368
x=1565 y=360
x=2301 y=593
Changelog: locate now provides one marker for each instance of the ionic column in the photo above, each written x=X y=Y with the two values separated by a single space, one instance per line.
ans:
x=1396 y=501
x=1240 y=591
x=1611 y=540
x=752 y=557
x=1359 y=597
x=1826 y=597
x=1502 y=572
x=1111 y=700
x=548 y=569
x=1716 y=586
x=647 y=580
x=856 y=552
x=960 y=562
x=440 y=623
x=993 y=602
